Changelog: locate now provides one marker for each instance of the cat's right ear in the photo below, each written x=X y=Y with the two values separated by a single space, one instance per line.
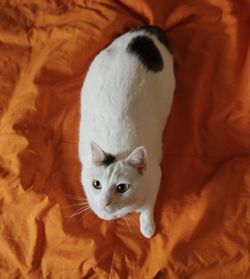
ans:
x=98 y=155
x=138 y=159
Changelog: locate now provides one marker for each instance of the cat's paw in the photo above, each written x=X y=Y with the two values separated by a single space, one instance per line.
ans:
x=147 y=227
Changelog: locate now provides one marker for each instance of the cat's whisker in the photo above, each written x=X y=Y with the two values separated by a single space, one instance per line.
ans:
x=77 y=198
x=80 y=197
x=132 y=220
x=80 y=210
x=127 y=223
x=75 y=204
x=86 y=214
x=133 y=225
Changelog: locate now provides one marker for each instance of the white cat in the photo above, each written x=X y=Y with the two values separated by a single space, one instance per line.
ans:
x=125 y=102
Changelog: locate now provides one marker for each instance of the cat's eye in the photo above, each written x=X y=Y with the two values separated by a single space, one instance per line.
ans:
x=122 y=188
x=97 y=184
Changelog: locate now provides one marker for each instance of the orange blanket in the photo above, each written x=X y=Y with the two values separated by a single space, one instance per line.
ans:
x=203 y=209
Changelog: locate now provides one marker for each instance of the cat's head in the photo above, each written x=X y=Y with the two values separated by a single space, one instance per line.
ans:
x=114 y=186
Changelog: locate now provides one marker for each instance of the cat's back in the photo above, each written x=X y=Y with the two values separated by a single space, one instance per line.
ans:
x=128 y=88
x=135 y=54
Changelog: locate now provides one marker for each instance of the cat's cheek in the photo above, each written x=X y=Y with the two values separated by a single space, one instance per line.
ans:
x=109 y=216
x=99 y=212
x=105 y=217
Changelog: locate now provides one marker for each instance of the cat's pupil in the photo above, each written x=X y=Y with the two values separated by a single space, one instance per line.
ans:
x=122 y=188
x=96 y=184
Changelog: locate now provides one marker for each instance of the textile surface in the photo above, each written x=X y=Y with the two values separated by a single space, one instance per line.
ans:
x=203 y=208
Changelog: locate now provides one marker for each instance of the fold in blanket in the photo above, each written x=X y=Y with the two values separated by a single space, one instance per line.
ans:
x=203 y=208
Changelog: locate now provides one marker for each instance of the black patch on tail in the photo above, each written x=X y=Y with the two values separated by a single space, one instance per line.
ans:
x=109 y=159
x=147 y=52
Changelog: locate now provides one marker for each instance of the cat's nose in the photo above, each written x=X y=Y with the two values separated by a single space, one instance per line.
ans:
x=107 y=204
x=104 y=204
x=107 y=207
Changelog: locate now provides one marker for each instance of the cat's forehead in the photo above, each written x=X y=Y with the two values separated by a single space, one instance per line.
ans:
x=120 y=173
x=114 y=169
x=113 y=172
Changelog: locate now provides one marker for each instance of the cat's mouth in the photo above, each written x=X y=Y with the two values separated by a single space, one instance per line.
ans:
x=110 y=213
x=110 y=216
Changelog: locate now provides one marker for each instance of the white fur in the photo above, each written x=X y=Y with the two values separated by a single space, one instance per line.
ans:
x=123 y=106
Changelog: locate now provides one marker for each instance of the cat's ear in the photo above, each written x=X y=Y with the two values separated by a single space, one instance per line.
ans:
x=138 y=159
x=98 y=155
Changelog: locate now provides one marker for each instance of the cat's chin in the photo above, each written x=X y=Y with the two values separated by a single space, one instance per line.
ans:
x=110 y=217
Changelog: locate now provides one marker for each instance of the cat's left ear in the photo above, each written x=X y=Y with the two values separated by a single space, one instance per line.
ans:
x=98 y=155
x=138 y=159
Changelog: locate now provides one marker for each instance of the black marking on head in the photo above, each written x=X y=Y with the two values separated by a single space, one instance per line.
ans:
x=109 y=159
x=156 y=31
x=146 y=51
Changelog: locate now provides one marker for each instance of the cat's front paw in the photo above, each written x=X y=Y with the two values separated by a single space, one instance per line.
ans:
x=148 y=230
x=147 y=226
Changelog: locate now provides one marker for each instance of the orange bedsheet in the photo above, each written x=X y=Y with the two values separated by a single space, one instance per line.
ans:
x=203 y=209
